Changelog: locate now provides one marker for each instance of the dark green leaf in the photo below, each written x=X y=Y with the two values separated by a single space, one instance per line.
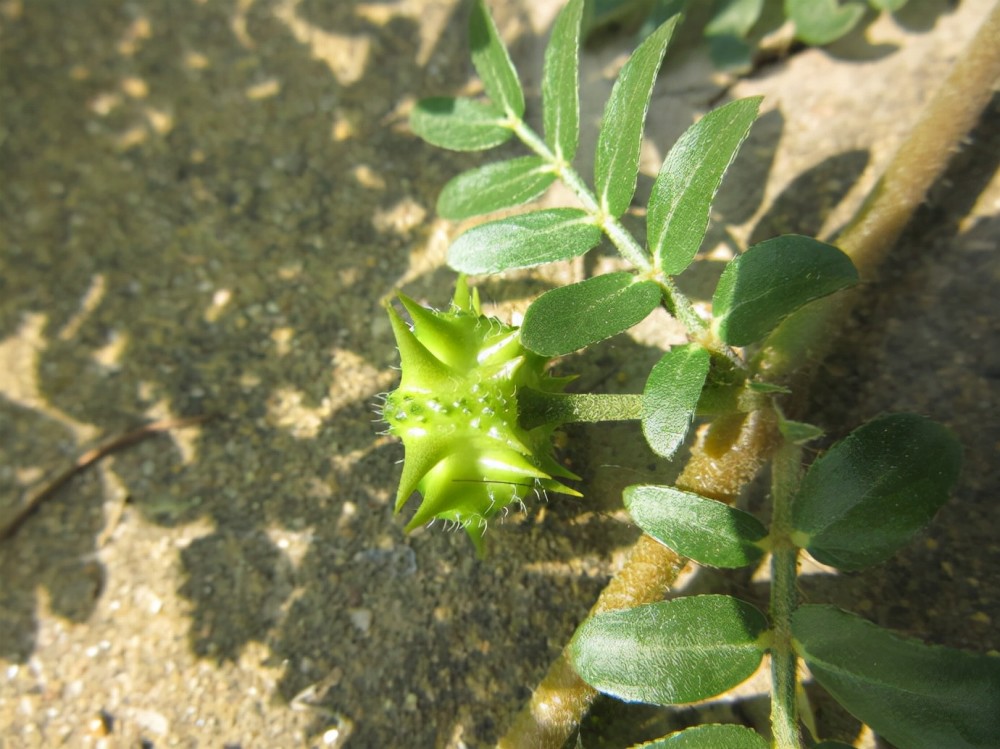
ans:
x=572 y=317
x=890 y=5
x=459 y=124
x=670 y=397
x=867 y=496
x=822 y=21
x=682 y=195
x=709 y=736
x=616 y=163
x=730 y=53
x=915 y=695
x=560 y=83
x=602 y=13
x=707 y=531
x=490 y=58
x=833 y=745
x=495 y=186
x=769 y=281
x=523 y=241
x=727 y=30
x=670 y=652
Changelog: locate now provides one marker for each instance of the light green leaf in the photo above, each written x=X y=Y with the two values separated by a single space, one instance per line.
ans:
x=867 y=496
x=572 y=317
x=459 y=124
x=682 y=195
x=490 y=58
x=769 y=281
x=495 y=186
x=523 y=241
x=616 y=162
x=798 y=432
x=734 y=17
x=709 y=736
x=670 y=652
x=560 y=83
x=915 y=695
x=707 y=531
x=819 y=22
x=670 y=397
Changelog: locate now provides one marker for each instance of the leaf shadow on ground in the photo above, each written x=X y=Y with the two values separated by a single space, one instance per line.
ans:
x=195 y=224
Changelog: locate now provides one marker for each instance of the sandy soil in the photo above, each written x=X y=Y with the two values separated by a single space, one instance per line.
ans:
x=203 y=205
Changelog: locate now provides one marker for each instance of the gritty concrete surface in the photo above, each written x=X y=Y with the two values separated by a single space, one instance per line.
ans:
x=203 y=205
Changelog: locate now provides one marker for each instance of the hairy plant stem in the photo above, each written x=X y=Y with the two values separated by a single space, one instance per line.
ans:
x=785 y=471
x=537 y=408
x=561 y=699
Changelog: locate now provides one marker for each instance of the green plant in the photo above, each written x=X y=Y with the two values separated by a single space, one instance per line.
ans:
x=733 y=23
x=853 y=507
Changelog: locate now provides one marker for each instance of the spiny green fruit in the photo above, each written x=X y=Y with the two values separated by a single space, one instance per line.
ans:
x=456 y=412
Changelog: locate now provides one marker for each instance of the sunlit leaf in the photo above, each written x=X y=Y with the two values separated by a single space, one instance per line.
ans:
x=799 y=432
x=866 y=497
x=523 y=241
x=682 y=194
x=670 y=652
x=495 y=186
x=709 y=736
x=769 y=281
x=459 y=124
x=616 y=162
x=670 y=397
x=820 y=22
x=707 y=531
x=917 y=696
x=492 y=62
x=572 y=317
x=560 y=83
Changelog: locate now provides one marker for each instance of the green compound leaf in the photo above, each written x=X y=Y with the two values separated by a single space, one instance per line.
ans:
x=709 y=736
x=459 y=124
x=616 y=162
x=682 y=195
x=704 y=530
x=769 y=281
x=572 y=317
x=670 y=397
x=560 y=90
x=670 y=652
x=495 y=186
x=524 y=241
x=915 y=695
x=490 y=58
x=867 y=496
x=819 y=22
